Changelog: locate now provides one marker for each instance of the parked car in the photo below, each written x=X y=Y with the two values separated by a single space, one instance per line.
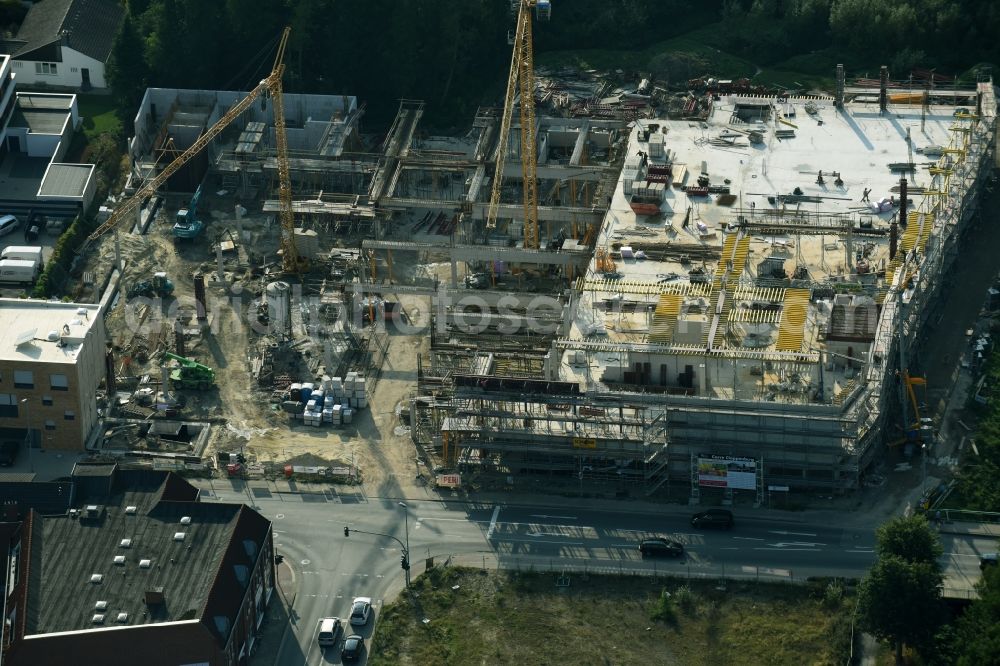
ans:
x=354 y=645
x=8 y=452
x=361 y=611
x=988 y=560
x=329 y=629
x=8 y=223
x=661 y=546
x=721 y=518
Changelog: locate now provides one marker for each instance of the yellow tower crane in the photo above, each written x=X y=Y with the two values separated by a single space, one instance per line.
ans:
x=521 y=80
x=291 y=260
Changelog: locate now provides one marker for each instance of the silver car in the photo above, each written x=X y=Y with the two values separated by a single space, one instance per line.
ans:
x=361 y=611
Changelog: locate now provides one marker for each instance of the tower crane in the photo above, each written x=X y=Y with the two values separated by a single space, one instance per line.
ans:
x=291 y=260
x=521 y=79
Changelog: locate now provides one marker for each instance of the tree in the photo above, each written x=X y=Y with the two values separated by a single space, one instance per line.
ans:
x=978 y=631
x=909 y=538
x=127 y=72
x=900 y=601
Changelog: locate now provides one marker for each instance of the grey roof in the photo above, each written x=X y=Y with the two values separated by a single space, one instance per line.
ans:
x=89 y=27
x=197 y=575
x=66 y=180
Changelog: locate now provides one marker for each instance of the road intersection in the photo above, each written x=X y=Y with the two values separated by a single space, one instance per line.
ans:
x=331 y=569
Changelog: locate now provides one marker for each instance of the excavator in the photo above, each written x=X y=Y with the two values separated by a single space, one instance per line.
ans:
x=188 y=226
x=292 y=261
x=190 y=374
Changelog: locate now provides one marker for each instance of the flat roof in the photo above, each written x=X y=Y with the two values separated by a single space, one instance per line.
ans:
x=28 y=323
x=66 y=180
x=769 y=231
x=51 y=101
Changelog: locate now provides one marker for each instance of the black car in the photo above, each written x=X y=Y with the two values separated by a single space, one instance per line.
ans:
x=353 y=646
x=8 y=452
x=661 y=546
x=722 y=518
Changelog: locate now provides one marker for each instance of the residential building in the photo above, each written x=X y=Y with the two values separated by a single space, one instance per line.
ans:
x=7 y=86
x=52 y=359
x=141 y=572
x=65 y=43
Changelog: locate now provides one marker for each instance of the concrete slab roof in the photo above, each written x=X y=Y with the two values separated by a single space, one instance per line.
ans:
x=24 y=337
x=66 y=180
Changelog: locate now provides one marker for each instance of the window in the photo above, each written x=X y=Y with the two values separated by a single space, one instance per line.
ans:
x=8 y=405
x=24 y=379
x=47 y=400
x=58 y=383
x=72 y=70
x=69 y=415
x=48 y=68
x=18 y=64
x=50 y=424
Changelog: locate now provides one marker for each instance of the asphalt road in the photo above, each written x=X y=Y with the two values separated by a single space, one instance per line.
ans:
x=332 y=569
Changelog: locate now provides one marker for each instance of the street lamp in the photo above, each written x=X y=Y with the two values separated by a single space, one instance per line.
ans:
x=406 y=549
x=27 y=432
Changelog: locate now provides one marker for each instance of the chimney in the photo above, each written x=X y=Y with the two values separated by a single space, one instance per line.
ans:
x=883 y=85
x=154 y=597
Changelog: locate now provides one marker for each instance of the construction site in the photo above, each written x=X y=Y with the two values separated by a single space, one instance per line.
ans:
x=724 y=293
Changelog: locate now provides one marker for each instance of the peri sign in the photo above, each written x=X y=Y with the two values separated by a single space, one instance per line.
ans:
x=727 y=472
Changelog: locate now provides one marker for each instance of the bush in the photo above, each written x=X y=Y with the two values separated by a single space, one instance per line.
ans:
x=664 y=610
x=833 y=594
x=686 y=600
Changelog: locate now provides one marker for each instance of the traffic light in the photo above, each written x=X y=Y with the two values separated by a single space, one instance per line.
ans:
x=347 y=531
x=403 y=562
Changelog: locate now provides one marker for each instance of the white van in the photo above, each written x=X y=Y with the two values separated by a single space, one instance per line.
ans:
x=8 y=223
x=329 y=628
x=23 y=252
x=18 y=271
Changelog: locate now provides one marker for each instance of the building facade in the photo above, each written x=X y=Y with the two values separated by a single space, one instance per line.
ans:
x=51 y=364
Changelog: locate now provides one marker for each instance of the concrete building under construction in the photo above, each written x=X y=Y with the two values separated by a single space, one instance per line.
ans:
x=750 y=315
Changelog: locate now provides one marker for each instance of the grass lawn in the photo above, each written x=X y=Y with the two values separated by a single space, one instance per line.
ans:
x=523 y=618
x=98 y=114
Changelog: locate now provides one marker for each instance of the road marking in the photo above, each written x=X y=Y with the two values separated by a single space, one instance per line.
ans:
x=561 y=543
x=749 y=538
x=867 y=552
x=622 y=545
x=454 y=520
x=729 y=548
x=305 y=562
x=788 y=550
x=784 y=533
x=279 y=516
x=782 y=544
x=538 y=534
x=493 y=523
x=541 y=515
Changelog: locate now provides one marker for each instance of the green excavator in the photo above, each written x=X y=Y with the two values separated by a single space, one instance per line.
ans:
x=190 y=374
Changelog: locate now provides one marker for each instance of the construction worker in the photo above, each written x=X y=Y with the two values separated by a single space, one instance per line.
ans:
x=864 y=196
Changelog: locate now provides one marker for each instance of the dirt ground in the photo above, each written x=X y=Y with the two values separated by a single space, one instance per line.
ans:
x=245 y=416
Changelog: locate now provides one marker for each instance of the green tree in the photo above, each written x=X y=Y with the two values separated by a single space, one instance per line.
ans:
x=978 y=631
x=900 y=602
x=909 y=538
x=127 y=72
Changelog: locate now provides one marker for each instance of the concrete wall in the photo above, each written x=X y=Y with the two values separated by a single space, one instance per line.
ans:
x=68 y=72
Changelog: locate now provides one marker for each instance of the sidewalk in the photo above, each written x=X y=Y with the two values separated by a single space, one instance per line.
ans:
x=279 y=618
x=971 y=529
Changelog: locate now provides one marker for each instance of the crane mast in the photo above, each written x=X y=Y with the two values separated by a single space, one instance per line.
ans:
x=520 y=80
x=291 y=259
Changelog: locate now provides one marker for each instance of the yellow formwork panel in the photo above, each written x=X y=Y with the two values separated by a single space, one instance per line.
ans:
x=665 y=318
x=791 y=328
